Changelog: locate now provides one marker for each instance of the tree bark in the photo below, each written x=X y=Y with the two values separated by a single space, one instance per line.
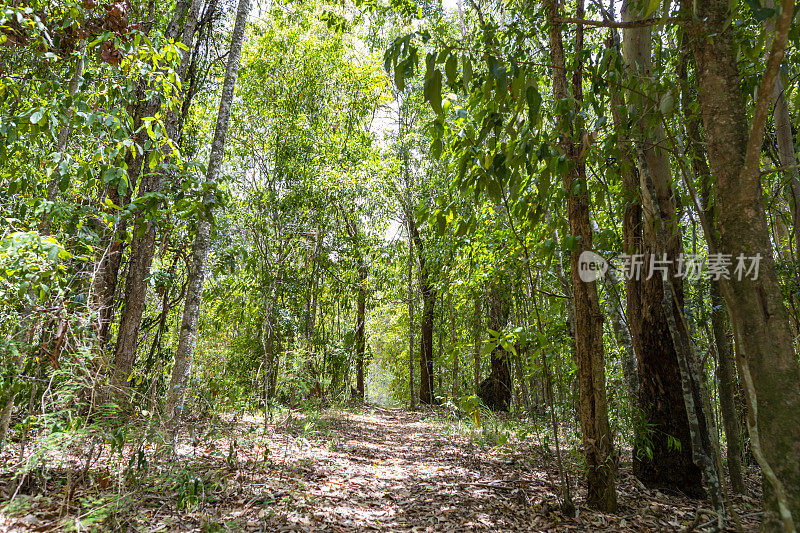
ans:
x=785 y=141
x=767 y=361
x=726 y=374
x=454 y=393
x=726 y=383
x=660 y=393
x=181 y=27
x=495 y=391
x=360 y=338
x=429 y=295
x=596 y=433
x=476 y=342
x=411 y=306
x=202 y=244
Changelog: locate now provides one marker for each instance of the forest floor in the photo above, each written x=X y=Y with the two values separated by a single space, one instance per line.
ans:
x=366 y=469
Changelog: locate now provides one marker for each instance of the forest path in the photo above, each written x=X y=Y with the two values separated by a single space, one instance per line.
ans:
x=340 y=470
x=389 y=469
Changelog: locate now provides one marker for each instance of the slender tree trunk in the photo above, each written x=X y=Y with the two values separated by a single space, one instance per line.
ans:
x=411 y=306
x=659 y=375
x=426 y=334
x=453 y=348
x=785 y=141
x=476 y=342
x=202 y=243
x=767 y=361
x=360 y=338
x=181 y=27
x=726 y=383
x=596 y=433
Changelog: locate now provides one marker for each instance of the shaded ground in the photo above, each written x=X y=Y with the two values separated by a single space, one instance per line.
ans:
x=369 y=470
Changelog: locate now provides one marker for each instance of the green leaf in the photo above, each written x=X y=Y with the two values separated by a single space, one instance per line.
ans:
x=399 y=76
x=651 y=7
x=467 y=72
x=433 y=91
x=112 y=205
x=436 y=148
x=450 y=69
x=63 y=182
x=534 y=100
x=441 y=224
x=493 y=188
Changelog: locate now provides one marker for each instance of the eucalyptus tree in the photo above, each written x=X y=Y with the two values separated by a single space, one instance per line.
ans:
x=767 y=358
x=664 y=463
x=181 y=28
x=202 y=243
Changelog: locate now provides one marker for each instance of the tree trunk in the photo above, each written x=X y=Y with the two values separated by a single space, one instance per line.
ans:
x=181 y=27
x=454 y=393
x=767 y=362
x=476 y=343
x=426 y=335
x=360 y=338
x=202 y=244
x=726 y=382
x=495 y=391
x=596 y=433
x=660 y=391
x=726 y=374
x=411 y=305
x=785 y=141
x=428 y=292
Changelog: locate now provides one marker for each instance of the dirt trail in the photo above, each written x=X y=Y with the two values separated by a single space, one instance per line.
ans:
x=373 y=469
x=392 y=471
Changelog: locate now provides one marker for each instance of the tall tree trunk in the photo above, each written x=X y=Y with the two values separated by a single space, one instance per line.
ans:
x=202 y=243
x=181 y=27
x=360 y=338
x=411 y=306
x=426 y=335
x=454 y=393
x=596 y=433
x=726 y=383
x=496 y=389
x=476 y=342
x=660 y=392
x=429 y=294
x=767 y=361
x=726 y=374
